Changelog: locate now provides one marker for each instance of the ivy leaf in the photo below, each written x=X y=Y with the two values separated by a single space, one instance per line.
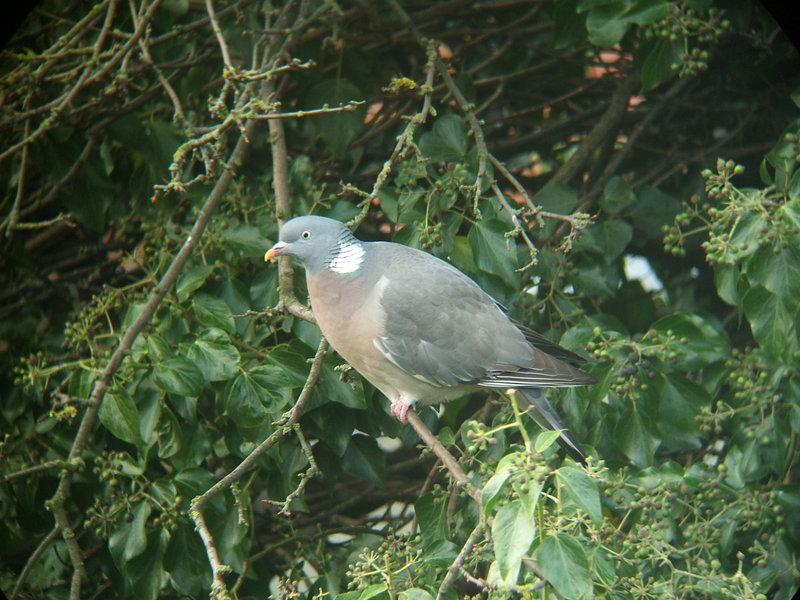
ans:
x=493 y=490
x=774 y=324
x=513 y=531
x=415 y=594
x=680 y=401
x=213 y=311
x=582 y=490
x=777 y=270
x=606 y=24
x=431 y=513
x=129 y=540
x=493 y=252
x=247 y=240
x=145 y=571
x=635 y=440
x=338 y=129
x=447 y=140
x=214 y=355
x=119 y=414
x=170 y=436
x=183 y=560
x=653 y=209
x=564 y=564
x=700 y=343
x=332 y=388
x=655 y=60
x=179 y=375
x=191 y=279
x=364 y=458
x=558 y=197
x=608 y=238
x=617 y=195
x=249 y=397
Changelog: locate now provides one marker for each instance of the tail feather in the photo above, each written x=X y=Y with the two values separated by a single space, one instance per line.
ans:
x=547 y=418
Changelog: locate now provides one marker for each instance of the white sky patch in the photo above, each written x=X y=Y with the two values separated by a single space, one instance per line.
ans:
x=638 y=268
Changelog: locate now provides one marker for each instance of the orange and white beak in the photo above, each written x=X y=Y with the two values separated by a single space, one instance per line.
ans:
x=276 y=250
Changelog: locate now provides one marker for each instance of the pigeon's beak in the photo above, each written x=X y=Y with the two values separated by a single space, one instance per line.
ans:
x=276 y=250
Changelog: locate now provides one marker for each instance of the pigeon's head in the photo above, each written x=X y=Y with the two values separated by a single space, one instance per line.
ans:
x=314 y=241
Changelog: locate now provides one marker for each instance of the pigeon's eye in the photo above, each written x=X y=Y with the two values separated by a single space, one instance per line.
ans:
x=305 y=235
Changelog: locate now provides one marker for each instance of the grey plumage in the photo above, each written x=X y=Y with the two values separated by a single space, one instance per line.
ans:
x=418 y=328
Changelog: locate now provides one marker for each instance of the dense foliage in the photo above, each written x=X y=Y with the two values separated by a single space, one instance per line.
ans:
x=173 y=426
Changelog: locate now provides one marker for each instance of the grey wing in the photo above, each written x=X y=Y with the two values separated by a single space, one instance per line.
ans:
x=441 y=327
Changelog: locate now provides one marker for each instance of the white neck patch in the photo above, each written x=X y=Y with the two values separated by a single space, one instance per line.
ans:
x=348 y=256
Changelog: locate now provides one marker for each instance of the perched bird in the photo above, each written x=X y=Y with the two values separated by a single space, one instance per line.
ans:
x=419 y=329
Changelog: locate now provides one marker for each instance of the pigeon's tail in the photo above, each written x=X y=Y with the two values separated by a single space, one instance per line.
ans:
x=547 y=418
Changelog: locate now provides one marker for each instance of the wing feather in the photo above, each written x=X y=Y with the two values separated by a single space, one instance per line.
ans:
x=442 y=328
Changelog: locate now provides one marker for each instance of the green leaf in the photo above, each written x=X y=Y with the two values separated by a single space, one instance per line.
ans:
x=513 y=531
x=119 y=414
x=778 y=270
x=130 y=538
x=653 y=209
x=214 y=355
x=635 y=440
x=334 y=426
x=680 y=401
x=145 y=571
x=608 y=238
x=494 y=489
x=743 y=464
x=179 y=375
x=415 y=594
x=332 y=388
x=727 y=281
x=606 y=23
x=158 y=348
x=699 y=342
x=364 y=458
x=564 y=564
x=191 y=279
x=582 y=490
x=431 y=513
x=747 y=233
x=646 y=12
x=656 y=61
x=447 y=140
x=338 y=129
x=184 y=561
x=597 y=279
x=170 y=435
x=774 y=324
x=558 y=197
x=569 y=27
x=617 y=195
x=545 y=439
x=213 y=311
x=246 y=240
x=250 y=397
x=373 y=591
x=493 y=252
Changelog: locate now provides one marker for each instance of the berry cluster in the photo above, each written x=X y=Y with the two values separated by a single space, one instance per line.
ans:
x=431 y=236
x=696 y=28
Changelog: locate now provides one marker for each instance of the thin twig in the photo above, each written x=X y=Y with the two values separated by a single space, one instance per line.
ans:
x=223 y=45
x=87 y=425
x=457 y=565
x=283 y=427
x=449 y=461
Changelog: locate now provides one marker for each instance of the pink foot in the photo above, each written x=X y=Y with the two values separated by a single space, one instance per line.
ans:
x=400 y=409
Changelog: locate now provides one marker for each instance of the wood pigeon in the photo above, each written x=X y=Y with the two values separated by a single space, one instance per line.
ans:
x=419 y=329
